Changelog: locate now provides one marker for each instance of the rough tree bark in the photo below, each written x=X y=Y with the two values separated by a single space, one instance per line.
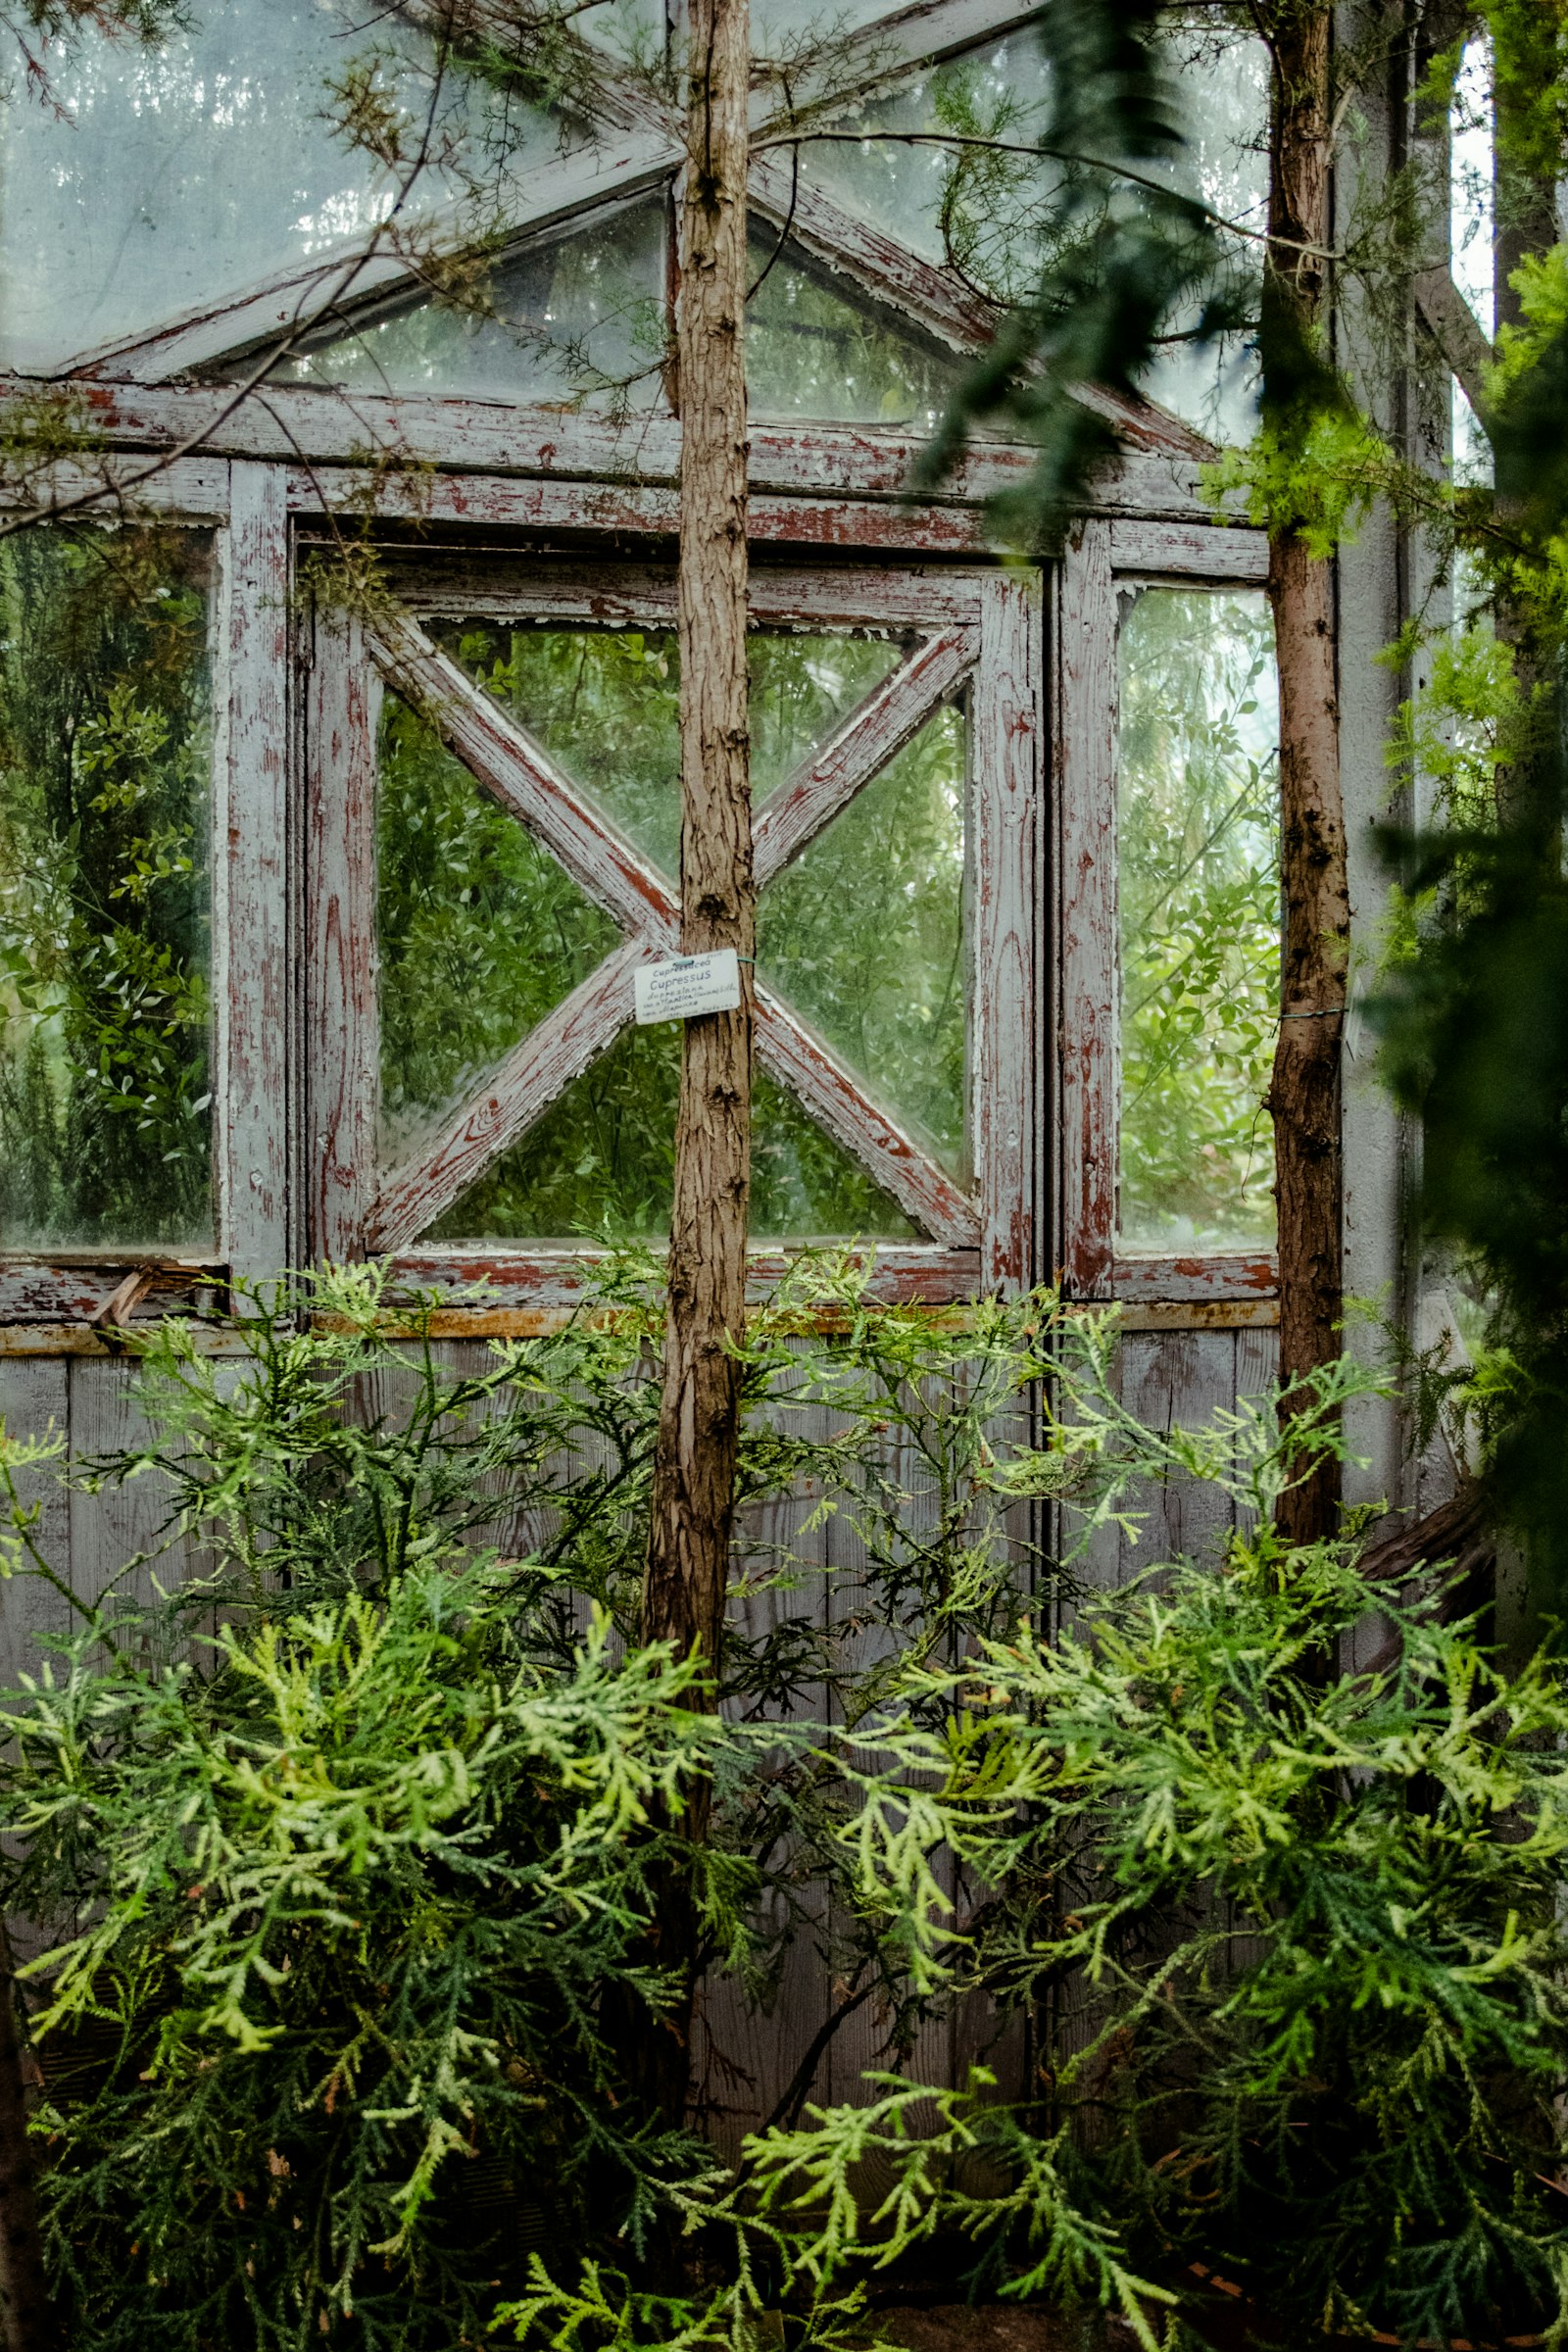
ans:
x=1305 y=1088
x=694 y=1466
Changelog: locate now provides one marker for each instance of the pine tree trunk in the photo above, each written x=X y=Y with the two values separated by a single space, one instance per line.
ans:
x=694 y=1467
x=1305 y=1088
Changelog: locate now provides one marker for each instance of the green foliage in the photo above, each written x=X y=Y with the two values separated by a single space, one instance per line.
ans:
x=334 y=1854
x=104 y=785
x=1122 y=255
x=1294 y=1937
x=1198 y=901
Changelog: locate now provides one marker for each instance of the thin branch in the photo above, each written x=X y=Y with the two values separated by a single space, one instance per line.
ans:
x=1055 y=155
x=760 y=280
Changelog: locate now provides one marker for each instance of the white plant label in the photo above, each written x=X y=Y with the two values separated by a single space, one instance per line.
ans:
x=687 y=984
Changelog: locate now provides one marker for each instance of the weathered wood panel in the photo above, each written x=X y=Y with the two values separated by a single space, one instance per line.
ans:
x=310 y=430
x=1187 y=551
x=343 y=1075
x=1007 y=756
x=1086 y=907
x=253 y=991
x=35 y=1402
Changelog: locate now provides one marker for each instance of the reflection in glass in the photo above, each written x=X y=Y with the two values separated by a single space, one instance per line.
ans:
x=972 y=206
x=105 y=898
x=864 y=936
x=606 y=706
x=813 y=350
x=1199 y=897
x=183 y=172
x=576 y=318
x=600 y=1164
x=480 y=932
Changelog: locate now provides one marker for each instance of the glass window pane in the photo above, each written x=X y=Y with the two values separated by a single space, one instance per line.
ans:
x=580 y=318
x=191 y=171
x=997 y=93
x=105 y=897
x=600 y=1164
x=864 y=934
x=606 y=706
x=974 y=208
x=481 y=931
x=1200 y=895
x=813 y=350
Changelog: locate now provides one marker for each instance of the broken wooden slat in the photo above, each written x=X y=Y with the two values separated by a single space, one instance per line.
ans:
x=537 y=1070
x=890 y=716
x=538 y=1285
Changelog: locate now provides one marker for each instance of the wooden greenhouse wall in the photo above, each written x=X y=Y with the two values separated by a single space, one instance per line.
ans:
x=564 y=502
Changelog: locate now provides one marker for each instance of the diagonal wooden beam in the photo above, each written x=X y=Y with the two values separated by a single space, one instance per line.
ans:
x=890 y=716
x=533 y=1075
x=1456 y=331
x=526 y=781
x=838 y=1101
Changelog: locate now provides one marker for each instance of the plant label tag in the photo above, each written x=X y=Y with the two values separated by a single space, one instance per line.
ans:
x=687 y=984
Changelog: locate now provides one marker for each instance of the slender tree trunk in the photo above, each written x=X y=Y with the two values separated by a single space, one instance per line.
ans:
x=1305 y=1088
x=29 y=2321
x=694 y=1466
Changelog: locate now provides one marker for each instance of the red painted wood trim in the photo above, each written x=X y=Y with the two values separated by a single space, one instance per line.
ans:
x=526 y=782
x=1006 y=755
x=616 y=593
x=1086 y=798
x=801 y=1060
x=553 y=1283
x=890 y=716
x=320 y=428
x=1237 y=1276
x=557 y=1050
x=251 y=1110
x=343 y=1080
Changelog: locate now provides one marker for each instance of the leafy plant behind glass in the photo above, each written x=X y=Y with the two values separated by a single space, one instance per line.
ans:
x=104 y=900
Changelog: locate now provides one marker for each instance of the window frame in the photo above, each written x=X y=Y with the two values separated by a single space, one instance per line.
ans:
x=1101 y=555
x=983 y=635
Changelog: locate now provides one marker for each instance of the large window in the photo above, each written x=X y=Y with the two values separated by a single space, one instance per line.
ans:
x=319 y=918
x=512 y=858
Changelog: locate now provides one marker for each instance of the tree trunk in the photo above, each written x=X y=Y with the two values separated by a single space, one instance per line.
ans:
x=694 y=1465
x=28 y=2320
x=1305 y=1088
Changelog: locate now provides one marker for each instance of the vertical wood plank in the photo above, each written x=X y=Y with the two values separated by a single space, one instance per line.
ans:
x=1008 y=740
x=111 y=1527
x=252 y=964
x=1085 y=766
x=342 y=1078
x=1171 y=1380
x=36 y=1396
